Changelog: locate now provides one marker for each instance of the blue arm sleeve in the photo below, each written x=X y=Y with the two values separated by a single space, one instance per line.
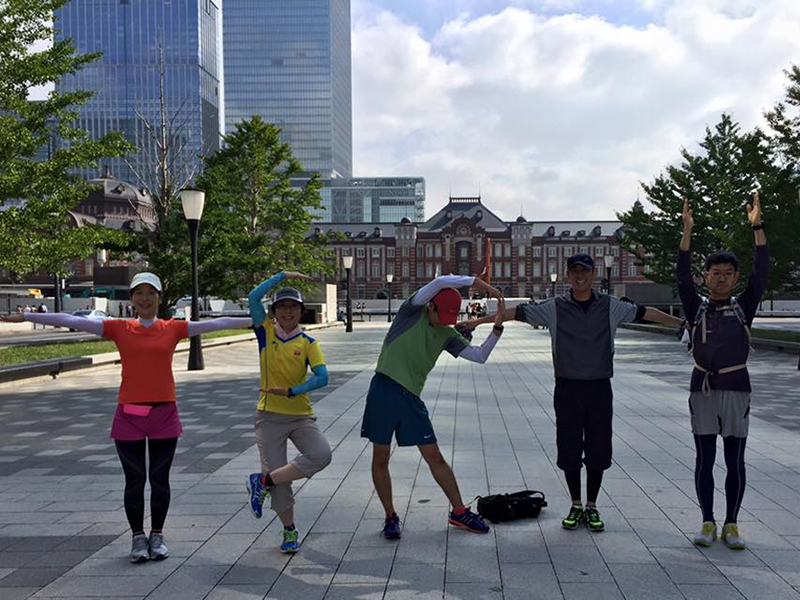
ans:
x=257 y=312
x=319 y=380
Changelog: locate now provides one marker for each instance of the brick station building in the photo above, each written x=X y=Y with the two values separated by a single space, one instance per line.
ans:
x=522 y=254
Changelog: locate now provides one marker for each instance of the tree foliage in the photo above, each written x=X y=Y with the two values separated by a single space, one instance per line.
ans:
x=257 y=219
x=36 y=194
x=718 y=182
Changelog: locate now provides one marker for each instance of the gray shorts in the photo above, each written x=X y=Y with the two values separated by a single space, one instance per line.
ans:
x=724 y=412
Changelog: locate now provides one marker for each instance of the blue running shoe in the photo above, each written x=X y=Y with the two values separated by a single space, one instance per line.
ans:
x=289 y=545
x=257 y=493
x=468 y=520
x=392 y=528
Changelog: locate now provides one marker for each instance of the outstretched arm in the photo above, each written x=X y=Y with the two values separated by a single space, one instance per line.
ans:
x=426 y=294
x=653 y=314
x=209 y=325
x=480 y=354
x=93 y=326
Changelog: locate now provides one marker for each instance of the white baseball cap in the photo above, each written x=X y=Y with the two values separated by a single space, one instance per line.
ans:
x=150 y=278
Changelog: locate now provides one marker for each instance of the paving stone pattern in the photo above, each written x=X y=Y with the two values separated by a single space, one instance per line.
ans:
x=63 y=533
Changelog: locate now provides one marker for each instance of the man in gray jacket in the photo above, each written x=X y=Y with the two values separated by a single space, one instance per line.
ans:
x=582 y=326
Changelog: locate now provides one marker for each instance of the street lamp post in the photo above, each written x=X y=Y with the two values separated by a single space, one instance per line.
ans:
x=553 y=279
x=347 y=263
x=193 y=201
x=389 y=279
x=609 y=261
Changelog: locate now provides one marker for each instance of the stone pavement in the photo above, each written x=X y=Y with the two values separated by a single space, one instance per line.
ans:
x=63 y=533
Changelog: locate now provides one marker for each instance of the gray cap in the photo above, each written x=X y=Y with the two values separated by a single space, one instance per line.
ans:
x=288 y=294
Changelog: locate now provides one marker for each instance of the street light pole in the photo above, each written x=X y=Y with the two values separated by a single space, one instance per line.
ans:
x=609 y=261
x=389 y=279
x=192 y=202
x=553 y=279
x=347 y=263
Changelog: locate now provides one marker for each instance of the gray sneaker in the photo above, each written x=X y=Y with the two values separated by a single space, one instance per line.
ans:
x=139 y=550
x=158 y=549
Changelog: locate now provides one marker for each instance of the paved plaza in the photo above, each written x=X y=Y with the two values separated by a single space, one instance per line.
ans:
x=63 y=532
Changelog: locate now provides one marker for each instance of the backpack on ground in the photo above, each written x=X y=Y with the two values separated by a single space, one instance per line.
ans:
x=510 y=507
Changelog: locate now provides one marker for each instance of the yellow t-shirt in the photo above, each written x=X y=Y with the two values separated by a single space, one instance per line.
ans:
x=284 y=364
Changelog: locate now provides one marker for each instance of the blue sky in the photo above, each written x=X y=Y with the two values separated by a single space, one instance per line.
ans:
x=559 y=106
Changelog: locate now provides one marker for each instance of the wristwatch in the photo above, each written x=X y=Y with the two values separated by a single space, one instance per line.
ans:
x=759 y=226
x=498 y=328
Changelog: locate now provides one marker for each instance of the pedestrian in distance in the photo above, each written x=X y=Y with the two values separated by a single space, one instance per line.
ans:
x=582 y=326
x=422 y=329
x=719 y=400
x=146 y=421
x=284 y=410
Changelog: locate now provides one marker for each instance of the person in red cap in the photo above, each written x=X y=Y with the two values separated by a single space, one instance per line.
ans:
x=422 y=329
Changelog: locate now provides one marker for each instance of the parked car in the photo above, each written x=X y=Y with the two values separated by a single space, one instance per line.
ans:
x=91 y=314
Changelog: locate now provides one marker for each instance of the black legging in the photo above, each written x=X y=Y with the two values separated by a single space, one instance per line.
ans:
x=132 y=457
x=735 y=481
x=594 y=478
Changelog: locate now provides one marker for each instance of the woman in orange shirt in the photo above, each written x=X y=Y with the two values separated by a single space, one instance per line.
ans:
x=147 y=415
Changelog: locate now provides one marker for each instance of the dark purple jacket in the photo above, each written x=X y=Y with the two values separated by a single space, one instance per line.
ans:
x=727 y=344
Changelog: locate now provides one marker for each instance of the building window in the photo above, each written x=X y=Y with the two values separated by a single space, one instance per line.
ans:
x=598 y=251
x=521 y=269
x=507 y=269
x=497 y=270
x=615 y=251
x=405 y=269
x=376 y=270
x=463 y=252
x=360 y=252
x=584 y=249
x=551 y=268
x=568 y=251
x=615 y=270
x=631 y=269
x=507 y=250
x=405 y=251
x=347 y=251
x=429 y=270
x=376 y=253
x=419 y=269
x=360 y=270
x=429 y=250
x=390 y=253
x=537 y=252
x=498 y=250
x=521 y=250
x=551 y=251
x=648 y=269
x=390 y=269
x=438 y=251
x=537 y=269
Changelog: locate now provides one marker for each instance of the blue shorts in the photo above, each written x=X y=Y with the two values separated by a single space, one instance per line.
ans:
x=392 y=409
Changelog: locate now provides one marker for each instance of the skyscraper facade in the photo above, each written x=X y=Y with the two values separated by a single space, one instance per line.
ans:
x=376 y=200
x=149 y=47
x=289 y=62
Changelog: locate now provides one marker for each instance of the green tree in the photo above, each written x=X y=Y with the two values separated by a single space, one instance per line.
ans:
x=256 y=222
x=35 y=195
x=718 y=182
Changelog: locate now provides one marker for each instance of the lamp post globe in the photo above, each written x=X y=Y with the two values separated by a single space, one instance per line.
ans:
x=192 y=201
x=553 y=279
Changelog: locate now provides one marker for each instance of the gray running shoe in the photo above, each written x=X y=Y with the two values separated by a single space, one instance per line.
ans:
x=139 y=550
x=158 y=549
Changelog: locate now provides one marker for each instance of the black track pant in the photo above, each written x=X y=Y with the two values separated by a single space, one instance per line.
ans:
x=132 y=457
x=735 y=480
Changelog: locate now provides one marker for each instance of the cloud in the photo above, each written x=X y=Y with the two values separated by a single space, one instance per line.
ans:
x=561 y=113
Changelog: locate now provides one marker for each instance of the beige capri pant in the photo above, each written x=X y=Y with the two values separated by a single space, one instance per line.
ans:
x=273 y=430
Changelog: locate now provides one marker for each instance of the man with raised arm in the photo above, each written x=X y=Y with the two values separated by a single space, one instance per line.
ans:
x=422 y=329
x=719 y=401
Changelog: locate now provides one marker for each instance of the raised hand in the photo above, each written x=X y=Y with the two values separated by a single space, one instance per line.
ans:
x=688 y=216
x=501 y=309
x=296 y=275
x=754 y=210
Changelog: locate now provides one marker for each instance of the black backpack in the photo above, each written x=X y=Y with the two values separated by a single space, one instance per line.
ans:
x=509 y=507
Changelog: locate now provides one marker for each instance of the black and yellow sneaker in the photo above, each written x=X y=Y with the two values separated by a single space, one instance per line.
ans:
x=574 y=518
x=593 y=520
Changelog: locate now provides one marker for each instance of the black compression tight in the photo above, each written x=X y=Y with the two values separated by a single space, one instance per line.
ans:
x=132 y=457
x=735 y=480
x=594 y=478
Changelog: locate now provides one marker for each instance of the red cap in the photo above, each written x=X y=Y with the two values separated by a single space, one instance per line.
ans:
x=448 y=305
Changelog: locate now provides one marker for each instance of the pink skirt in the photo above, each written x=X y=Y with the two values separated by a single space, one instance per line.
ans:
x=163 y=422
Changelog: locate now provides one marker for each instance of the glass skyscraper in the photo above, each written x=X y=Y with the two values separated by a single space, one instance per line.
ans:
x=141 y=40
x=376 y=200
x=289 y=62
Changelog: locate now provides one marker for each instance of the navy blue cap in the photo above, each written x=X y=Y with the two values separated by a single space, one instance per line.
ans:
x=580 y=260
x=287 y=294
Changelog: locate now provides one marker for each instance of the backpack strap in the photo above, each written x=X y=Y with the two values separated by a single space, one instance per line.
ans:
x=699 y=319
x=739 y=312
